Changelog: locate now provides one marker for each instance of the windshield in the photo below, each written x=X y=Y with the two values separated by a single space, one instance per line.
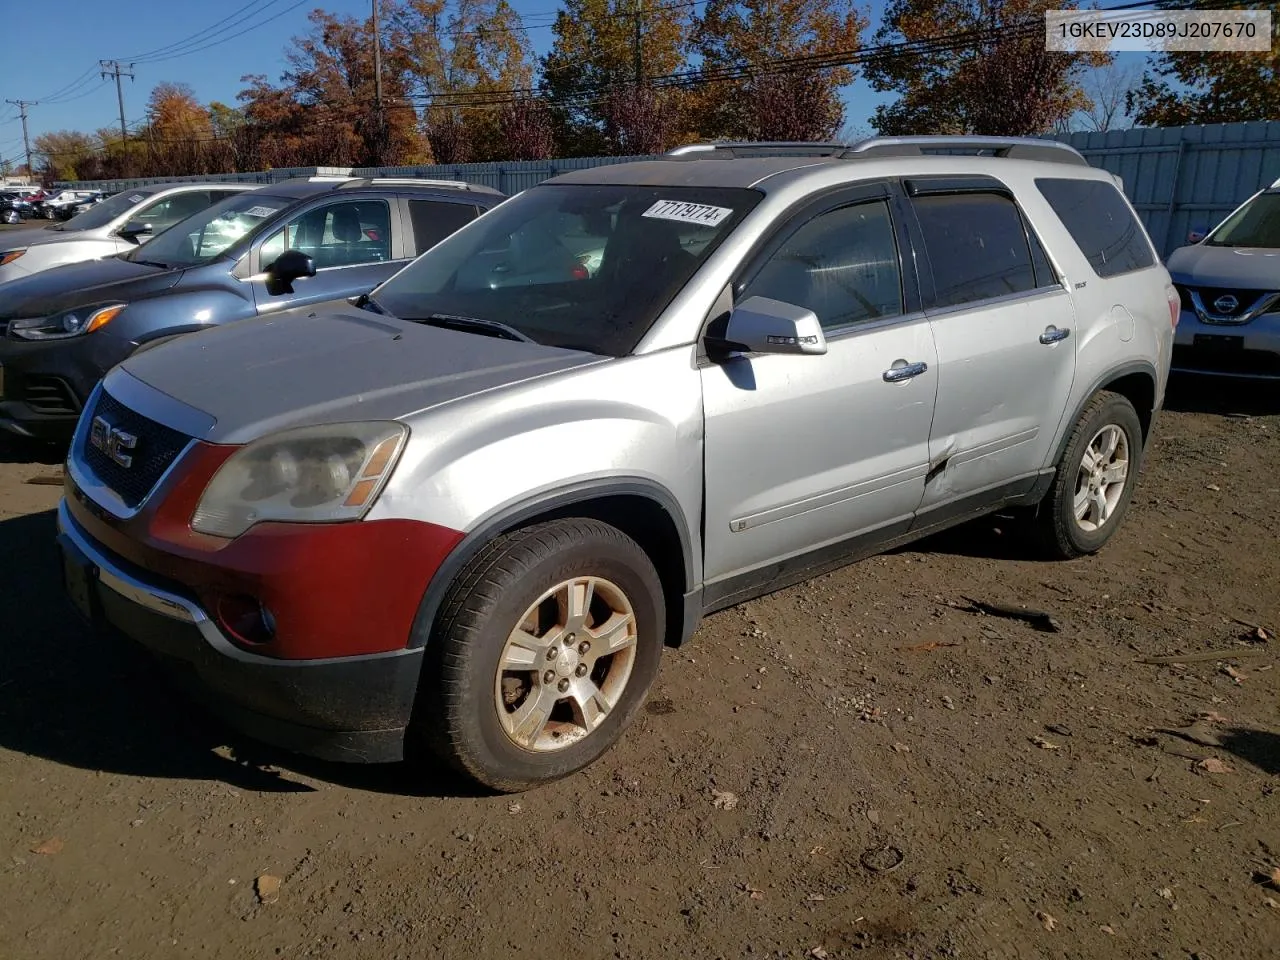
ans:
x=103 y=213
x=1256 y=224
x=578 y=266
x=210 y=233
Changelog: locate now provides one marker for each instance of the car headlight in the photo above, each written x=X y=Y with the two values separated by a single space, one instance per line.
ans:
x=324 y=474
x=8 y=256
x=68 y=323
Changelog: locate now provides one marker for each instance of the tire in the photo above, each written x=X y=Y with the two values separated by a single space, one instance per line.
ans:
x=469 y=712
x=11 y=216
x=1062 y=532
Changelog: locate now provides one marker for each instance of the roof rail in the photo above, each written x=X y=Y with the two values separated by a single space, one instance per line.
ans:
x=1013 y=148
x=793 y=148
x=358 y=182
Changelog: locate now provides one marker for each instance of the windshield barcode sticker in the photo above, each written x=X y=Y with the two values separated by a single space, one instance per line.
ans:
x=699 y=213
x=260 y=211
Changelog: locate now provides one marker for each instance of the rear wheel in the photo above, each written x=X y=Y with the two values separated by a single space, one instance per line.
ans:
x=545 y=648
x=11 y=216
x=1095 y=479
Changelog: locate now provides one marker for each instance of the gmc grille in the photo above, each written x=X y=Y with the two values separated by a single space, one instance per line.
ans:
x=156 y=449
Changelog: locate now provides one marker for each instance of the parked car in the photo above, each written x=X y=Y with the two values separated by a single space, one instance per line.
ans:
x=52 y=206
x=113 y=226
x=1229 y=284
x=14 y=208
x=466 y=513
x=289 y=244
x=78 y=206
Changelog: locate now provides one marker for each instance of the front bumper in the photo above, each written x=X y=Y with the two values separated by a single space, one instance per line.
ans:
x=44 y=383
x=344 y=708
x=1246 y=350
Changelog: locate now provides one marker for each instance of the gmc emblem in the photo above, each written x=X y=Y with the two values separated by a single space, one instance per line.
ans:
x=112 y=441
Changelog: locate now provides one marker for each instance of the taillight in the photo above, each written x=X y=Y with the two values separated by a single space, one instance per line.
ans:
x=1175 y=305
x=579 y=272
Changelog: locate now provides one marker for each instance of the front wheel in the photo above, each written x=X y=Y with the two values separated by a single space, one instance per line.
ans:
x=11 y=216
x=544 y=650
x=1094 y=481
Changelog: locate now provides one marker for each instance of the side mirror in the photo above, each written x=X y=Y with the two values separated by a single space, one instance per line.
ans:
x=762 y=325
x=289 y=266
x=134 y=230
x=1196 y=235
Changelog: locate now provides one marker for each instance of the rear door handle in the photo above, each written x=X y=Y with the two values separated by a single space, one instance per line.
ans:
x=905 y=372
x=1054 y=334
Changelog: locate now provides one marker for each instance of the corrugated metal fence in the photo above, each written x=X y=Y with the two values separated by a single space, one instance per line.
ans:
x=1178 y=178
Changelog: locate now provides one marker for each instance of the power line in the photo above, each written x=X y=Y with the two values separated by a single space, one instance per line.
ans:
x=226 y=39
x=199 y=34
x=22 y=112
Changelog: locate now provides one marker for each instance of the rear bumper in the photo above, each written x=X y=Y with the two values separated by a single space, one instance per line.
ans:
x=351 y=709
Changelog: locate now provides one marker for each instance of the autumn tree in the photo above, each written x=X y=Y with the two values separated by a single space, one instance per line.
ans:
x=63 y=153
x=1211 y=87
x=762 y=46
x=980 y=68
x=596 y=54
x=461 y=59
x=527 y=129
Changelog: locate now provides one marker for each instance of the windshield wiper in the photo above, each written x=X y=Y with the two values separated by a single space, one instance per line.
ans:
x=152 y=263
x=366 y=302
x=490 y=328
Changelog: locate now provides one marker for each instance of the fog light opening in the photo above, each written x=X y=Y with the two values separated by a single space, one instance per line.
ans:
x=246 y=619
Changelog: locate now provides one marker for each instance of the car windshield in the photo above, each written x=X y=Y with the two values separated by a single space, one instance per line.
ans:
x=585 y=267
x=211 y=232
x=99 y=215
x=1256 y=224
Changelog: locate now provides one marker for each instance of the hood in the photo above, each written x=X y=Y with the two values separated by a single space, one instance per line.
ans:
x=30 y=236
x=304 y=367
x=77 y=284
x=1251 y=268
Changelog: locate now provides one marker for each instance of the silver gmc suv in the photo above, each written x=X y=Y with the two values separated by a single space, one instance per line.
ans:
x=467 y=511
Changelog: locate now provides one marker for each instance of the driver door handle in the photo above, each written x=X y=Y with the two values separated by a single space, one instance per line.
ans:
x=906 y=371
x=1053 y=334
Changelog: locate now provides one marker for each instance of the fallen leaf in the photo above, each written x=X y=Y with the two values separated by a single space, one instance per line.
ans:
x=1049 y=922
x=1274 y=879
x=901 y=748
x=1212 y=486
x=514 y=808
x=818 y=851
x=1165 y=893
x=753 y=892
x=1107 y=929
x=723 y=799
x=815 y=898
x=948 y=703
x=1260 y=634
x=268 y=888
x=1233 y=673
x=1214 y=765
x=818 y=953
x=1271 y=902
x=49 y=847
x=1044 y=744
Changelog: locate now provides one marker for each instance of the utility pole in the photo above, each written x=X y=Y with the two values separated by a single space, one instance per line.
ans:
x=117 y=69
x=379 y=118
x=636 y=46
x=26 y=143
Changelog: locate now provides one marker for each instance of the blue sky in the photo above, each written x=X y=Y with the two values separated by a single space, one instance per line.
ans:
x=66 y=75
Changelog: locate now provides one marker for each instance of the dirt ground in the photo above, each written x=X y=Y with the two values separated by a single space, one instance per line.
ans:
x=909 y=778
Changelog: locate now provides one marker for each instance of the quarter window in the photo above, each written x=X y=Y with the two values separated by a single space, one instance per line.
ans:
x=335 y=235
x=843 y=265
x=1101 y=223
x=977 y=246
x=433 y=220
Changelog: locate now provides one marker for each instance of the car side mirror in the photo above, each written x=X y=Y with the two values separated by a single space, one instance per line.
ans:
x=762 y=325
x=134 y=230
x=289 y=266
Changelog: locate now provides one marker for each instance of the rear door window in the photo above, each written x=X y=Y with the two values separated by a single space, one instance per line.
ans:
x=433 y=220
x=1101 y=223
x=977 y=246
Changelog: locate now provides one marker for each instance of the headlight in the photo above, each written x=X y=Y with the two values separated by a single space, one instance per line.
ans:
x=69 y=323
x=309 y=475
x=8 y=256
